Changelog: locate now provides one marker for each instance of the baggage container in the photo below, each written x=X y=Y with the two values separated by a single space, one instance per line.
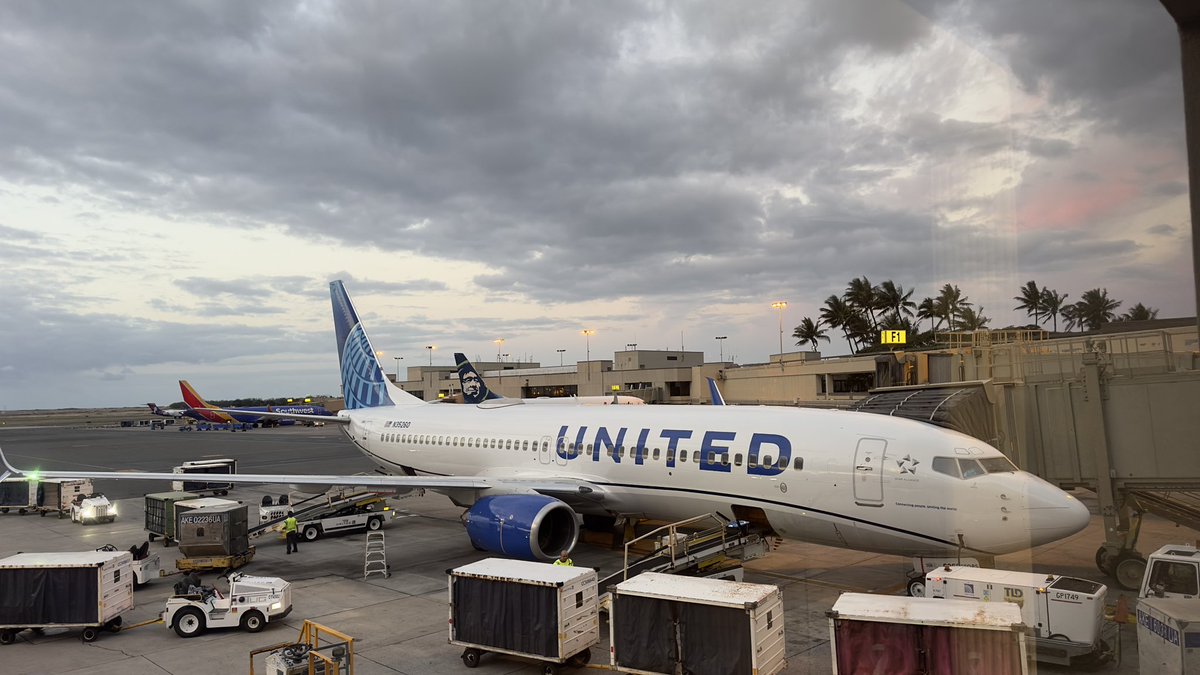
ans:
x=160 y=513
x=205 y=466
x=18 y=494
x=661 y=623
x=55 y=495
x=220 y=530
x=893 y=634
x=1168 y=636
x=89 y=590
x=540 y=611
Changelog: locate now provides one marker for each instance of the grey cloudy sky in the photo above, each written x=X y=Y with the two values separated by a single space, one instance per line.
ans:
x=180 y=181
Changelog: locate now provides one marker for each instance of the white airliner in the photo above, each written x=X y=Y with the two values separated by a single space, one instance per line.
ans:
x=854 y=480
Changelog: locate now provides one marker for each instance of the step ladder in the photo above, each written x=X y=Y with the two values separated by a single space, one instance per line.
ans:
x=375 y=560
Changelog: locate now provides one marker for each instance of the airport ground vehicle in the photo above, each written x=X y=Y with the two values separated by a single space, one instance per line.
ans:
x=88 y=590
x=318 y=649
x=18 y=494
x=250 y=603
x=892 y=634
x=93 y=508
x=146 y=565
x=1172 y=571
x=1065 y=614
x=160 y=513
x=562 y=621
x=327 y=514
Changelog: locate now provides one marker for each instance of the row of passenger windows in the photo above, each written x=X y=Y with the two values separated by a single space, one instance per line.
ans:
x=574 y=450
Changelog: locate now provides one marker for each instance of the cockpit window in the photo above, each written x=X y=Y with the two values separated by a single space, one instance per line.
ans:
x=970 y=468
x=997 y=465
x=946 y=465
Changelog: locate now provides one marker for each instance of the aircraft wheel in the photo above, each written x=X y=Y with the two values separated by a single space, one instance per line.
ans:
x=1105 y=557
x=470 y=658
x=916 y=587
x=253 y=622
x=90 y=634
x=1129 y=569
x=189 y=622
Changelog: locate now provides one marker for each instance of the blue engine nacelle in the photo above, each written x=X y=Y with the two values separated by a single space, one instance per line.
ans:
x=533 y=527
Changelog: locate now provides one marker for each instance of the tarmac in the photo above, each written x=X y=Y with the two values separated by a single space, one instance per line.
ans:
x=400 y=622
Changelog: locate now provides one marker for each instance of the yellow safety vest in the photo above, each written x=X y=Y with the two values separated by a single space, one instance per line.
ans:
x=564 y=563
x=289 y=525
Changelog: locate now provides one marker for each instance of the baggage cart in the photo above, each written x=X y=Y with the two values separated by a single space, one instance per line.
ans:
x=544 y=612
x=88 y=590
x=160 y=514
x=214 y=562
x=665 y=624
x=55 y=495
x=891 y=634
x=218 y=530
x=1168 y=636
x=18 y=494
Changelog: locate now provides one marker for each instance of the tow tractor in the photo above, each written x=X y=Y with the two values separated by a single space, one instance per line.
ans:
x=93 y=508
x=251 y=603
x=1172 y=571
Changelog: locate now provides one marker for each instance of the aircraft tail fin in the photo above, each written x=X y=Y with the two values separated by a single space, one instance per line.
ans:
x=363 y=383
x=154 y=409
x=717 y=398
x=474 y=389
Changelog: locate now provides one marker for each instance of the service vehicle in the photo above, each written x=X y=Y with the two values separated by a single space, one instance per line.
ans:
x=1172 y=571
x=93 y=508
x=1065 y=614
x=346 y=519
x=205 y=466
x=18 y=494
x=146 y=565
x=250 y=603
x=88 y=590
x=55 y=495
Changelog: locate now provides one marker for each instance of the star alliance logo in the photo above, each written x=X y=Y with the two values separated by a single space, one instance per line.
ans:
x=907 y=464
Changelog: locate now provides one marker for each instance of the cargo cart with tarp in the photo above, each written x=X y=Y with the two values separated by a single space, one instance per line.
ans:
x=214 y=537
x=88 y=590
x=662 y=623
x=55 y=495
x=18 y=494
x=545 y=612
x=160 y=513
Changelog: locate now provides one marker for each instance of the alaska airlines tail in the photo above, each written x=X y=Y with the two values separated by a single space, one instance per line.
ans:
x=474 y=389
x=363 y=382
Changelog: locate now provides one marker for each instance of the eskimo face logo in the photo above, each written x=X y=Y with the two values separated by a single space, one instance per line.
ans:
x=907 y=464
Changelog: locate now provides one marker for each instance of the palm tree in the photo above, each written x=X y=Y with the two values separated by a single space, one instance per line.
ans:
x=1139 y=312
x=809 y=332
x=1031 y=300
x=949 y=304
x=864 y=297
x=1096 y=309
x=926 y=310
x=861 y=331
x=1070 y=315
x=1052 y=304
x=837 y=314
x=969 y=319
x=893 y=297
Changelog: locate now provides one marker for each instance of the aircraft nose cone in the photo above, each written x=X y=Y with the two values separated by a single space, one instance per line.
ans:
x=1054 y=514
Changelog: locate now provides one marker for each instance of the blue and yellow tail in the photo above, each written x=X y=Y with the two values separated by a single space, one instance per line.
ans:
x=474 y=389
x=363 y=382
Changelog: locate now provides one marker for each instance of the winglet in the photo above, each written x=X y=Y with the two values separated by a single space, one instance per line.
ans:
x=717 y=398
x=9 y=470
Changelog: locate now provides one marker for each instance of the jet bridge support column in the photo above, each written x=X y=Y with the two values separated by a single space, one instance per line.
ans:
x=1117 y=555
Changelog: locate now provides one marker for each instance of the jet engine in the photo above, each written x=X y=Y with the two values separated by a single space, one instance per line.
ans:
x=529 y=526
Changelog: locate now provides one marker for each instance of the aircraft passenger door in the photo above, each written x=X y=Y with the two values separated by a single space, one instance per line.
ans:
x=546 y=453
x=868 y=472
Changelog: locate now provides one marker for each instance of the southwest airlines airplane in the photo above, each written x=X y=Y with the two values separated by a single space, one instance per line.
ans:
x=524 y=472
x=201 y=410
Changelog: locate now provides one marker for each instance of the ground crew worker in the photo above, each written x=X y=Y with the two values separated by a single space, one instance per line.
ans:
x=564 y=561
x=289 y=531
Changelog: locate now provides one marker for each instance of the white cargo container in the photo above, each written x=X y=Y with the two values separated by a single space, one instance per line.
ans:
x=661 y=623
x=545 y=612
x=55 y=495
x=894 y=634
x=199 y=468
x=1168 y=636
x=1064 y=613
x=88 y=589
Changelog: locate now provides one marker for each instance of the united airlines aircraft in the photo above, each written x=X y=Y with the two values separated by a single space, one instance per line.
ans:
x=525 y=473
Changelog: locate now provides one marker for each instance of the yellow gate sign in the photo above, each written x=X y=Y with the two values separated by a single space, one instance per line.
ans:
x=893 y=337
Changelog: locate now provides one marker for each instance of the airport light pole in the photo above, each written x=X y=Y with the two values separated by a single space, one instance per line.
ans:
x=721 y=341
x=398 y=360
x=560 y=353
x=499 y=343
x=587 y=343
x=780 y=305
x=430 y=348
